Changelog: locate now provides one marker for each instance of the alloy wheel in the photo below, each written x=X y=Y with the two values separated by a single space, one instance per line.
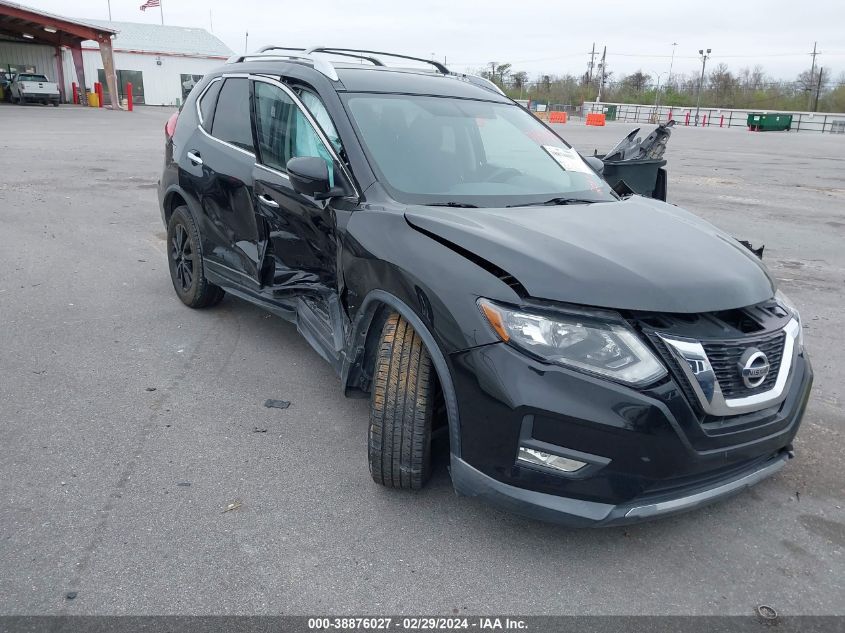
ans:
x=182 y=254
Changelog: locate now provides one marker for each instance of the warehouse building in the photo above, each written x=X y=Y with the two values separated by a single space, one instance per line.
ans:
x=162 y=62
x=36 y=41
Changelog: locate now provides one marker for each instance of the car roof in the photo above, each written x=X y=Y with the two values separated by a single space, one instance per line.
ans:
x=360 y=78
x=363 y=77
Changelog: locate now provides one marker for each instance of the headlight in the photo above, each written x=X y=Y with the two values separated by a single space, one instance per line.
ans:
x=787 y=305
x=611 y=350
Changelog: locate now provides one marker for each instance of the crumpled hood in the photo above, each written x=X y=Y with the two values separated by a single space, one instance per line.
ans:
x=634 y=254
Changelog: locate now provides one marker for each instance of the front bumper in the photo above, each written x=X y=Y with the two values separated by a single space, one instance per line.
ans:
x=33 y=97
x=580 y=513
x=649 y=453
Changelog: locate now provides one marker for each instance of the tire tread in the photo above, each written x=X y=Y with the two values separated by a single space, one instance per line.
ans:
x=399 y=446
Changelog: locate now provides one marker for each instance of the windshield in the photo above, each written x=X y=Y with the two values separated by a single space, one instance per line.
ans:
x=32 y=78
x=440 y=150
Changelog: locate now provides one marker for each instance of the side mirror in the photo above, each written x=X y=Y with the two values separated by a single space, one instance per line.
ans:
x=309 y=176
x=596 y=163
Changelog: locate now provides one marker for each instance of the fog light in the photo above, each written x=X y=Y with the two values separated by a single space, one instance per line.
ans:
x=547 y=460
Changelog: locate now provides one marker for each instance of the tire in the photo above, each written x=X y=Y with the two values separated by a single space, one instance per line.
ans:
x=402 y=402
x=184 y=259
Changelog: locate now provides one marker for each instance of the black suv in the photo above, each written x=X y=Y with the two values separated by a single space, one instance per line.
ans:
x=592 y=359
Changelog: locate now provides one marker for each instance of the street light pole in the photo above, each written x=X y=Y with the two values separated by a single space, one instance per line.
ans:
x=671 y=63
x=704 y=58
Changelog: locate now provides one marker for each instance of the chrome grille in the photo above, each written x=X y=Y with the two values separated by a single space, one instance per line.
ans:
x=724 y=356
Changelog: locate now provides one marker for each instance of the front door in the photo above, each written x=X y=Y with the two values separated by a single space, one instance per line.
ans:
x=302 y=237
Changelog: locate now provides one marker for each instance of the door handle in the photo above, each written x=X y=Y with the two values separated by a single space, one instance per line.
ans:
x=194 y=157
x=268 y=201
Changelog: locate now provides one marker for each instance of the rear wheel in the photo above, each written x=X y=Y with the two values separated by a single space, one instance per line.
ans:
x=184 y=256
x=401 y=405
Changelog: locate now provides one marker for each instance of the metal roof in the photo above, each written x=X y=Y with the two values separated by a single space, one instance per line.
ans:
x=94 y=24
x=165 y=39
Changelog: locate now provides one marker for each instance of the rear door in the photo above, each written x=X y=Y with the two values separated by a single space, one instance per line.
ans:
x=219 y=160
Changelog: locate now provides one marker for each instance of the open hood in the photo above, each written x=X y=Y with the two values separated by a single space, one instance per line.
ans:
x=634 y=254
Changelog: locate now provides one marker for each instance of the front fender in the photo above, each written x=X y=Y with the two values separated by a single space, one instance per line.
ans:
x=374 y=302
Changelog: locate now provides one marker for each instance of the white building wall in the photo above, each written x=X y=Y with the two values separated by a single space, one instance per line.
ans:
x=162 y=82
x=42 y=57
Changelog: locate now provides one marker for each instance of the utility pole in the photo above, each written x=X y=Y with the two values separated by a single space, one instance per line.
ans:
x=591 y=64
x=812 y=75
x=671 y=63
x=818 y=89
x=246 y=43
x=704 y=58
x=602 y=67
x=493 y=71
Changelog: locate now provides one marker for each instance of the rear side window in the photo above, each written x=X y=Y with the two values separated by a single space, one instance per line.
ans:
x=231 y=117
x=207 y=103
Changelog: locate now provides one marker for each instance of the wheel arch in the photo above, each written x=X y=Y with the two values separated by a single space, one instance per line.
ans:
x=366 y=330
x=175 y=196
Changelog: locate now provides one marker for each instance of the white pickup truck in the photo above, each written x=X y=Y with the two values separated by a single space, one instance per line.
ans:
x=30 y=87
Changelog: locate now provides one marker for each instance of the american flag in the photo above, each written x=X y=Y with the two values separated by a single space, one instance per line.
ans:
x=149 y=4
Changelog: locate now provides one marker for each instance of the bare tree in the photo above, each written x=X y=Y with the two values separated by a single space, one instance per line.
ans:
x=636 y=81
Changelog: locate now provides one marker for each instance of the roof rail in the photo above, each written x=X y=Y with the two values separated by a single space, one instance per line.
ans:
x=365 y=54
x=481 y=82
x=326 y=68
x=321 y=65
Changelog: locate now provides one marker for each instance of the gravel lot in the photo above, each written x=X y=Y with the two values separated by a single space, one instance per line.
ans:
x=128 y=423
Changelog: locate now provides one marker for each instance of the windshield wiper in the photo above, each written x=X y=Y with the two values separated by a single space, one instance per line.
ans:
x=461 y=205
x=554 y=202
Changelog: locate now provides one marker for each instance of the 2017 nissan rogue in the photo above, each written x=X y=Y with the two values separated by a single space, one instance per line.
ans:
x=593 y=360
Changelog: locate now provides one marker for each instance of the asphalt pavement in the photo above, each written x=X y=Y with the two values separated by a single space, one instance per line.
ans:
x=130 y=425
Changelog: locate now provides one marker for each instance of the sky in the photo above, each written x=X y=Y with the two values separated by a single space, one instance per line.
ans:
x=537 y=37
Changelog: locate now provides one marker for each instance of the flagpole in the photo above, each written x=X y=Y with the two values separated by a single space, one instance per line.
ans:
x=109 y=3
x=161 y=10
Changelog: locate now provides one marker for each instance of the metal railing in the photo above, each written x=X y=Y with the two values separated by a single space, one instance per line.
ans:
x=823 y=122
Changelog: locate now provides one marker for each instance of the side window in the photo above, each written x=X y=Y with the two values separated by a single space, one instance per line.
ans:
x=321 y=115
x=231 y=117
x=283 y=130
x=207 y=103
x=273 y=110
x=307 y=143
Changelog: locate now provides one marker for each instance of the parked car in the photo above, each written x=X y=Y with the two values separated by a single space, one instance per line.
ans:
x=34 y=88
x=592 y=359
x=5 y=80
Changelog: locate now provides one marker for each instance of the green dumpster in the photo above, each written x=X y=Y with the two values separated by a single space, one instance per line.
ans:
x=610 y=113
x=758 y=122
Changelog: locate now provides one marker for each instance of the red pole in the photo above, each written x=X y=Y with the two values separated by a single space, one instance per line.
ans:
x=686 y=119
x=75 y=92
x=704 y=121
x=129 y=96
x=98 y=88
x=722 y=121
x=670 y=115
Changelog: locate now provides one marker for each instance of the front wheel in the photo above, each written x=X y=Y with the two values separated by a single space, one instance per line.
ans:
x=184 y=257
x=401 y=407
